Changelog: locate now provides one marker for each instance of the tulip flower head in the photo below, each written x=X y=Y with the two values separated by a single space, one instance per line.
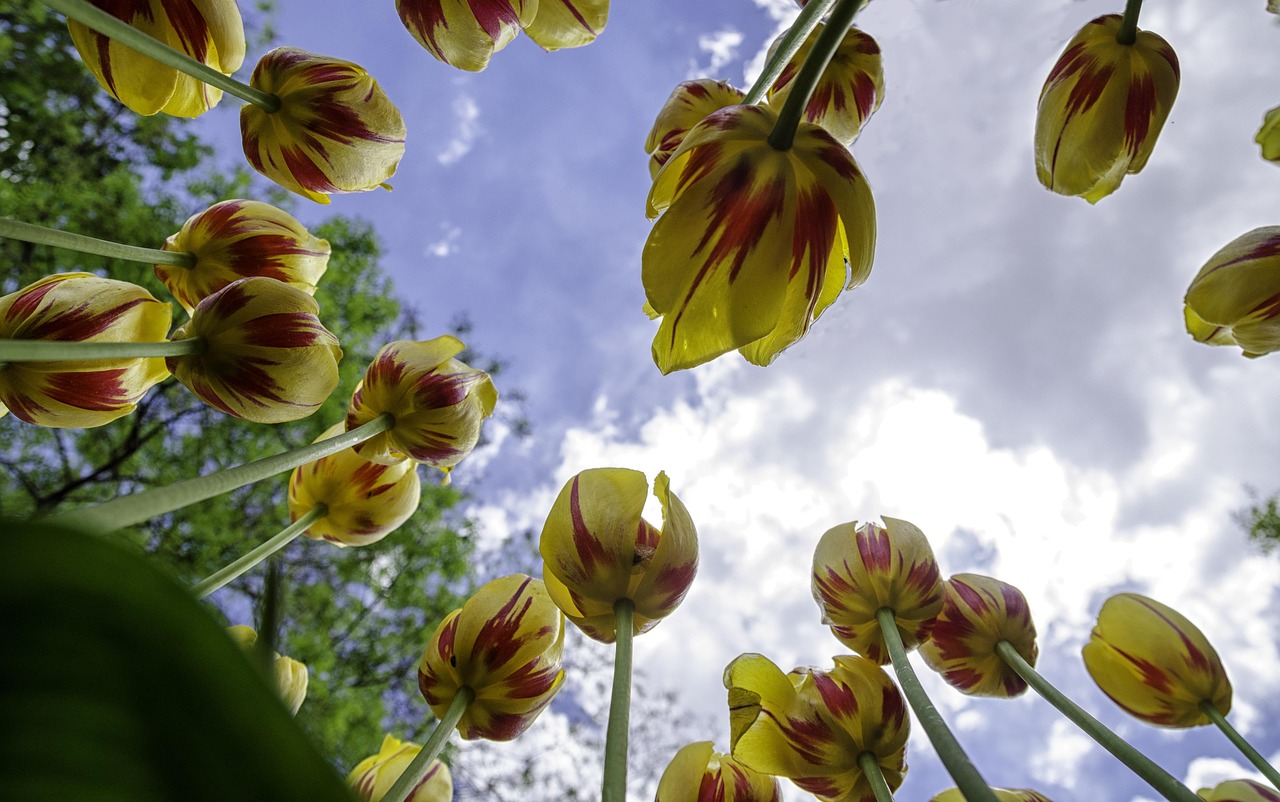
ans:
x=504 y=644
x=689 y=104
x=438 y=403
x=1238 y=791
x=857 y=570
x=1269 y=135
x=1154 y=663
x=465 y=33
x=80 y=307
x=1102 y=108
x=238 y=239
x=567 y=23
x=850 y=90
x=268 y=358
x=597 y=549
x=978 y=613
x=210 y=31
x=1002 y=794
x=335 y=130
x=1235 y=298
x=810 y=726
x=753 y=243
x=373 y=777
x=700 y=774
x=290 y=675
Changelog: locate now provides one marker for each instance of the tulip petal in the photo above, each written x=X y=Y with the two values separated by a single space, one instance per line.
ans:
x=567 y=23
x=374 y=776
x=1235 y=298
x=848 y=93
x=589 y=538
x=978 y=613
x=465 y=33
x=688 y=104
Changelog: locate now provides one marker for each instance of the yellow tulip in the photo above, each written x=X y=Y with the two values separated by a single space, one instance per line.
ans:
x=848 y=93
x=1235 y=298
x=689 y=103
x=374 y=776
x=1269 y=135
x=1002 y=794
x=700 y=774
x=465 y=33
x=1238 y=791
x=290 y=675
x=567 y=23
x=978 y=613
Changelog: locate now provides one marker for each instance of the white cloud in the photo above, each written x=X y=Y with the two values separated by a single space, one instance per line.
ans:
x=721 y=46
x=1059 y=764
x=466 y=113
x=446 y=244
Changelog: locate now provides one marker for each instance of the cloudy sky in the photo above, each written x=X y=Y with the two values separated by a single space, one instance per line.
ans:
x=1014 y=378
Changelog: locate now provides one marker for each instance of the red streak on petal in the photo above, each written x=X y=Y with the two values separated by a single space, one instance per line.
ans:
x=591 y=552
x=873 y=547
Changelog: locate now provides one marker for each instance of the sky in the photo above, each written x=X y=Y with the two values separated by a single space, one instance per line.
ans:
x=1014 y=377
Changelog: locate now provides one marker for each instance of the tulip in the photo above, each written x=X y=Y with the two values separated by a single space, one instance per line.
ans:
x=978 y=613
x=80 y=307
x=1239 y=791
x=238 y=239
x=438 y=403
x=850 y=90
x=363 y=501
x=1269 y=134
x=374 y=776
x=1155 y=664
x=812 y=726
x=268 y=359
x=1102 y=108
x=210 y=31
x=335 y=129
x=699 y=774
x=1235 y=298
x=1002 y=794
x=567 y=23
x=504 y=645
x=290 y=675
x=753 y=241
x=465 y=33
x=689 y=104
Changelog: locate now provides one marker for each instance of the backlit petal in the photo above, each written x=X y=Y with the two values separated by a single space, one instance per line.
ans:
x=698 y=773
x=568 y=23
x=373 y=777
x=688 y=104
x=1235 y=298
x=979 y=612
x=848 y=93
x=465 y=33
x=1239 y=791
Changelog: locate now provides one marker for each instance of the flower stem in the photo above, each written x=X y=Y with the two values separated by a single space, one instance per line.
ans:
x=64 y=350
x=1128 y=33
x=1159 y=779
x=787 y=47
x=128 y=510
x=29 y=232
x=1236 y=738
x=262 y=552
x=107 y=24
x=784 y=130
x=417 y=769
x=875 y=777
x=952 y=755
x=615 y=744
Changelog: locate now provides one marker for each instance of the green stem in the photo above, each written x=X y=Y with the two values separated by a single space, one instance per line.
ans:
x=787 y=47
x=833 y=33
x=262 y=552
x=416 y=770
x=1128 y=33
x=29 y=232
x=1236 y=738
x=128 y=510
x=104 y=23
x=875 y=777
x=952 y=755
x=68 y=350
x=1162 y=781
x=615 y=744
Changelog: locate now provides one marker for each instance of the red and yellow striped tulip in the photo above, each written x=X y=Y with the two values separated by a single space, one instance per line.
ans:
x=438 y=403
x=1154 y=663
x=80 y=307
x=335 y=131
x=1269 y=135
x=752 y=242
x=238 y=239
x=210 y=31
x=1102 y=108
x=567 y=23
x=850 y=90
x=1238 y=791
x=1235 y=298
x=373 y=777
x=291 y=676
x=1002 y=794
x=504 y=644
x=700 y=774
x=811 y=726
x=689 y=104
x=465 y=33
x=268 y=358
x=597 y=549
x=978 y=613
x=857 y=570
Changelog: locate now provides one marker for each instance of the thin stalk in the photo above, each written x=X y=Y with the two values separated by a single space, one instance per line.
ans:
x=29 y=232
x=615 y=744
x=1245 y=748
x=417 y=769
x=952 y=755
x=70 y=350
x=271 y=608
x=784 y=130
x=129 y=510
x=1162 y=781
x=787 y=47
x=875 y=777
x=106 y=24
x=286 y=536
x=1128 y=33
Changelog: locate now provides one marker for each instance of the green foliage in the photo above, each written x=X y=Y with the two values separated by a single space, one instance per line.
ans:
x=1262 y=521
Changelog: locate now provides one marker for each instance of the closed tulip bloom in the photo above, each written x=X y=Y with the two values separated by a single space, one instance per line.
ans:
x=374 y=776
x=1102 y=108
x=238 y=239
x=210 y=31
x=1238 y=791
x=267 y=357
x=335 y=131
x=290 y=675
x=700 y=774
x=857 y=570
x=1154 y=663
x=1235 y=298
x=1002 y=794
x=505 y=645
x=80 y=307
x=753 y=243
x=810 y=726
x=567 y=23
x=364 y=501
x=850 y=90
x=689 y=103
x=978 y=613
x=465 y=33
x=596 y=549
x=1269 y=135
x=438 y=403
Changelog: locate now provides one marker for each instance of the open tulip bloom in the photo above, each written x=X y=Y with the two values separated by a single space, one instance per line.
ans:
x=698 y=773
x=1235 y=298
x=374 y=776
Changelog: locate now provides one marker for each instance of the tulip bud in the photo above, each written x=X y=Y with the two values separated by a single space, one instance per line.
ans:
x=689 y=104
x=848 y=93
x=290 y=675
x=1269 y=135
x=978 y=613
x=1238 y=791
x=698 y=773
x=374 y=776
x=1002 y=794
x=1235 y=298
x=465 y=33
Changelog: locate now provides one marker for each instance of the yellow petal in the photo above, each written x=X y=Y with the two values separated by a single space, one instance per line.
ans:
x=567 y=23
x=978 y=613
x=1235 y=298
x=465 y=33
x=668 y=576
x=688 y=104
x=373 y=777
x=1269 y=135
x=848 y=93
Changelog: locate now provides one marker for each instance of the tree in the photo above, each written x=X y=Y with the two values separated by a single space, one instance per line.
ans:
x=1262 y=521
